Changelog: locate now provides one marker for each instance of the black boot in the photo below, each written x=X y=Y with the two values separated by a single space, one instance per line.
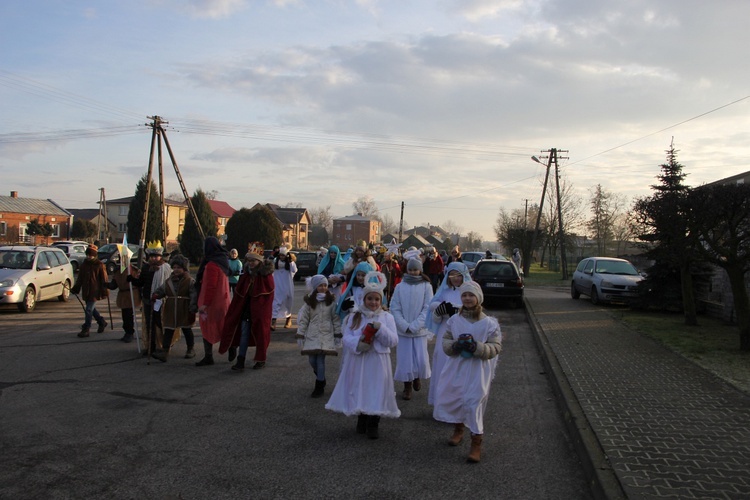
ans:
x=208 y=358
x=319 y=389
x=240 y=364
x=372 y=426
x=361 y=423
x=232 y=354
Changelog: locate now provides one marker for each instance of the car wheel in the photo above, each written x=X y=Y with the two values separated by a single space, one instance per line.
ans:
x=65 y=295
x=29 y=301
x=111 y=268
x=573 y=292
x=594 y=296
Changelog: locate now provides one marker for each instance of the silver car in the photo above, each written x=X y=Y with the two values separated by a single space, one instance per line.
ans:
x=75 y=250
x=605 y=279
x=31 y=274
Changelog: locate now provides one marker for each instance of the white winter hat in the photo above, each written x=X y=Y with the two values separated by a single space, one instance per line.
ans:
x=473 y=288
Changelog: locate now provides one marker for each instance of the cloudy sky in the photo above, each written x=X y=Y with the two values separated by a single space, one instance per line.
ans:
x=439 y=104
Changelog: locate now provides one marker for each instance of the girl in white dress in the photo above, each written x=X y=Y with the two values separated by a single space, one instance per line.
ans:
x=444 y=304
x=472 y=341
x=284 y=270
x=365 y=384
x=409 y=305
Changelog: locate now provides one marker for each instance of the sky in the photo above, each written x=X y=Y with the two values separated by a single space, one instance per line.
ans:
x=437 y=104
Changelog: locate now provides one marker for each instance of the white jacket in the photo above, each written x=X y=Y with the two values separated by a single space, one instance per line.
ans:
x=318 y=328
x=410 y=305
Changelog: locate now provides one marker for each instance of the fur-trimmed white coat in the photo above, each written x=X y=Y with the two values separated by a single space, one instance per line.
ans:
x=318 y=328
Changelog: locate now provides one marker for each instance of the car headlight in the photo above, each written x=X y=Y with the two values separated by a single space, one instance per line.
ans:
x=8 y=282
x=607 y=284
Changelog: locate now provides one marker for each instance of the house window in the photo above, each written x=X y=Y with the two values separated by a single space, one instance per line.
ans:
x=348 y=227
x=55 y=230
x=3 y=228
x=123 y=228
x=122 y=210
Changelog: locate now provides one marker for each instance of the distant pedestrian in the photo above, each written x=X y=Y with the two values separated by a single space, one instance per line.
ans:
x=365 y=384
x=517 y=259
x=212 y=282
x=472 y=342
x=235 y=268
x=284 y=269
x=410 y=306
x=433 y=267
x=318 y=329
x=92 y=284
x=455 y=255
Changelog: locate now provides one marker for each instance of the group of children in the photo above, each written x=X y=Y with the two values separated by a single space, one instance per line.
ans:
x=356 y=320
x=464 y=360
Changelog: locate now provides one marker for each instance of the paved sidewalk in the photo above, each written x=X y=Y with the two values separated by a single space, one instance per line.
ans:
x=650 y=423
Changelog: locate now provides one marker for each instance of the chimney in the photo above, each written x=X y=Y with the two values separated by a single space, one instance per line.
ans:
x=14 y=194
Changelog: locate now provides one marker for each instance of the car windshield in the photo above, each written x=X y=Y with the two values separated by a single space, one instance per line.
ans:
x=16 y=259
x=494 y=270
x=616 y=267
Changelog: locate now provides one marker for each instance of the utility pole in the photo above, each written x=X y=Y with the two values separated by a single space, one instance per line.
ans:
x=401 y=225
x=552 y=157
x=103 y=219
x=158 y=133
x=527 y=262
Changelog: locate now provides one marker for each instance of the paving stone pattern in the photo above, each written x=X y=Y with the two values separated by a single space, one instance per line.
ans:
x=669 y=428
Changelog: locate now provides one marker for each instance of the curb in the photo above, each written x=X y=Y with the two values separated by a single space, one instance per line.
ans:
x=596 y=467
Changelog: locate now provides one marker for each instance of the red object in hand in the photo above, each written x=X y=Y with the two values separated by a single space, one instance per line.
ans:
x=368 y=334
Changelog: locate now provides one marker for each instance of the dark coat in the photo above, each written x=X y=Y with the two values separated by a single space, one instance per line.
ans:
x=91 y=281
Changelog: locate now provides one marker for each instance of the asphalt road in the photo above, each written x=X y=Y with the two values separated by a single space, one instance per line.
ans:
x=89 y=418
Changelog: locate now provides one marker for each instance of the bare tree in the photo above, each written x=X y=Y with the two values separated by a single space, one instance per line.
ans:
x=389 y=225
x=211 y=195
x=321 y=216
x=174 y=195
x=472 y=241
x=571 y=207
x=366 y=206
x=292 y=204
x=451 y=227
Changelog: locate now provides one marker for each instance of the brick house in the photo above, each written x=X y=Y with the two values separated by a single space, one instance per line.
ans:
x=118 y=209
x=347 y=231
x=16 y=213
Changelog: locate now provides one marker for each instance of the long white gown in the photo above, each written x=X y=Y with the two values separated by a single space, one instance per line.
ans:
x=365 y=383
x=283 y=297
x=453 y=296
x=410 y=305
x=465 y=382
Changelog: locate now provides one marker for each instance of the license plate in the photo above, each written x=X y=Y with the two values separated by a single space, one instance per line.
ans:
x=495 y=285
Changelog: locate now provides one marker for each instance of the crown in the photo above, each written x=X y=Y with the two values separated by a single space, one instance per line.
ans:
x=255 y=247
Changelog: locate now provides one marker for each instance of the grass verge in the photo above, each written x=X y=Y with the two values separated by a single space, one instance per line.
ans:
x=712 y=344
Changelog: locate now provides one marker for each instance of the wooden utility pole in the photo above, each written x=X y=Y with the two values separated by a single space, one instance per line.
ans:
x=401 y=225
x=158 y=133
x=103 y=219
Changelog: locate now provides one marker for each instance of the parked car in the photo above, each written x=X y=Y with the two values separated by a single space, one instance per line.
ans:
x=605 y=279
x=471 y=258
x=499 y=278
x=74 y=250
x=307 y=264
x=31 y=274
x=111 y=258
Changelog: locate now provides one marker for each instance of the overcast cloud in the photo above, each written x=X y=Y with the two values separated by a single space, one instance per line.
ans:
x=439 y=104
